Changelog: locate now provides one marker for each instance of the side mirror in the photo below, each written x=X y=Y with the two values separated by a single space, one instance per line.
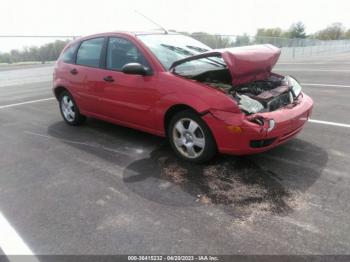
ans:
x=136 y=69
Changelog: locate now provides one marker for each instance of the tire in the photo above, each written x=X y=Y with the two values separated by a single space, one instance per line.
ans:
x=69 y=110
x=191 y=138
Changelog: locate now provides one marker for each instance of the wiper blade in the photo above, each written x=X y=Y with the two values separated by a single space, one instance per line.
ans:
x=196 y=48
x=202 y=50
x=216 y=62
x=178 y=49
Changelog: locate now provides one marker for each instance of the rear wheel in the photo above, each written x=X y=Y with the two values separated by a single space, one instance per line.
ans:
x=69 y=110
x=191 y=138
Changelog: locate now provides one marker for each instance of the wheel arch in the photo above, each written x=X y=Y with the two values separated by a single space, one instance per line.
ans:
x=58 y=91
x=209 y=150
x=174 y=109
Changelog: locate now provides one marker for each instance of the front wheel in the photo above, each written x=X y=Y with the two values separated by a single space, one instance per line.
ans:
x=69 y=110
x=191 y=138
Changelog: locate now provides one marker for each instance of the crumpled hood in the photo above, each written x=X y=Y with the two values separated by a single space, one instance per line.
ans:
x=250 y=63
x=246 y=64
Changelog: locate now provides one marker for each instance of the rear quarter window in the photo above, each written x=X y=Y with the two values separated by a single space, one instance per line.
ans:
x=67 y=55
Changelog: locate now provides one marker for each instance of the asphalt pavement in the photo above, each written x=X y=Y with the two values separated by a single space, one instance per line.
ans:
x=106 y=189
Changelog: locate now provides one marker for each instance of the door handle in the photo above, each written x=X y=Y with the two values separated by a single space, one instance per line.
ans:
x=74 y=71
x=108 y=79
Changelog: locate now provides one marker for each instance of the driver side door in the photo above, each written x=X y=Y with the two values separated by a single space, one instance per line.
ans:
x=128 y=99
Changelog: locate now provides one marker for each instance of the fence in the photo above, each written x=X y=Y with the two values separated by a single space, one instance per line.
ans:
x=47 y=48
x=291 y=48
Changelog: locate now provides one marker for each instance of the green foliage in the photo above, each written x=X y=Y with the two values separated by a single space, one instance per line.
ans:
x=269 y=32
x=297 y=30
x=214 y=41
x=275 y=36
x=242 y=40
x=334 y=31
x=47 y=52
x=347 y=34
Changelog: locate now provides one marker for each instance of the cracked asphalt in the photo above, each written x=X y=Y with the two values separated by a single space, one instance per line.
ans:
x=106 y=189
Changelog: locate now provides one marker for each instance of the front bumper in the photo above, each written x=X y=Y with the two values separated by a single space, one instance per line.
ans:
x=245 y=137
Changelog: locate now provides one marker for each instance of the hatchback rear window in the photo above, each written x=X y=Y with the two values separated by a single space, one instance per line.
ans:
x=89 y=52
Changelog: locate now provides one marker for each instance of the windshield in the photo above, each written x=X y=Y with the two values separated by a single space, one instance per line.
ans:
x=170 y=48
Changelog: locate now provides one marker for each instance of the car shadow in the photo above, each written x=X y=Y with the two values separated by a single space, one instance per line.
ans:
x=239 y=185
x=271 y=182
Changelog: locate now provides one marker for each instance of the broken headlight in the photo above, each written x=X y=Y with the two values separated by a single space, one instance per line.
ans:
x=249 y=105
x=296 y=87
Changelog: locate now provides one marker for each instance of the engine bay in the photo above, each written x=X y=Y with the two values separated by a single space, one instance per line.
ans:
x=266 y=95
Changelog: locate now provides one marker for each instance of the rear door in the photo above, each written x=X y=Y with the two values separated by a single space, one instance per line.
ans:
x=66 y=71
x=88 y=70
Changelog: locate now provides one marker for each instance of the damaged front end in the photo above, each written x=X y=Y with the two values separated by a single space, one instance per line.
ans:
x=267 y=95
x=267 y=108
x=245 y=75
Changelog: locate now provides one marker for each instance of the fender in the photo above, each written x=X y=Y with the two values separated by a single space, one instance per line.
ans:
x=170 y=100
x=64 y=83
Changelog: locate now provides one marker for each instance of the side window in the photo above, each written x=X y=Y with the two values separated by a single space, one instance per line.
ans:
x=121 y=52
x=89 y=52
x=68 y=55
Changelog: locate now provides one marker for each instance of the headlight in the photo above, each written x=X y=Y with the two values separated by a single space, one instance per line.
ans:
x=272 y=125
x=296 y=87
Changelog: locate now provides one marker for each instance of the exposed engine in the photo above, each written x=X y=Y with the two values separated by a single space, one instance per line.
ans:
x=264 y=96
x=259 y=96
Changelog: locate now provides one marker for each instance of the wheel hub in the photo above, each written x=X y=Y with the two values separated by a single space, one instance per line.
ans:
x=188 y=138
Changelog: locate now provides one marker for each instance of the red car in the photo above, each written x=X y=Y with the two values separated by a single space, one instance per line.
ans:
x=204 y=101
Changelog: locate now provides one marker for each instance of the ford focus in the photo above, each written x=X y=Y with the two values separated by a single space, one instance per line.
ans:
x=204 y=101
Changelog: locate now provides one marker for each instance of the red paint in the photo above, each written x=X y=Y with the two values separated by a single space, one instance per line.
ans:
x=250 y=63
x=141 y=102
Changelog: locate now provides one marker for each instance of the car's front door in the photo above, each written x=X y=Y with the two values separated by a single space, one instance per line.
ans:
x=128 y=98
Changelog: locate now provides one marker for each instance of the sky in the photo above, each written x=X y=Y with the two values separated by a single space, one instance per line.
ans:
x=77 y=17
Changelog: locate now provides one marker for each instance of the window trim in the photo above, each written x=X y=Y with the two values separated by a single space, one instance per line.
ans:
x=101 y=52
x=104 y=62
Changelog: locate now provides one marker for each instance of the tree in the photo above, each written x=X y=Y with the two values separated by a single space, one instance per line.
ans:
x=242 y=40
x=15 y=56
x=347 y=34
x=47 y=52
x=214 y=41
x=5 y=58
x=269 y=32
x=334 y=31
x=297 y=30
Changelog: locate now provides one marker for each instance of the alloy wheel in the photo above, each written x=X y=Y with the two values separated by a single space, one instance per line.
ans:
x=188 y=138
x=68 y=108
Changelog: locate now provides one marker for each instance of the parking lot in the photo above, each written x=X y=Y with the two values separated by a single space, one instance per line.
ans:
x=106 y=189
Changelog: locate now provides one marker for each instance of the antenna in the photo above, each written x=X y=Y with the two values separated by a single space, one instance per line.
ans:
x=153 y=22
